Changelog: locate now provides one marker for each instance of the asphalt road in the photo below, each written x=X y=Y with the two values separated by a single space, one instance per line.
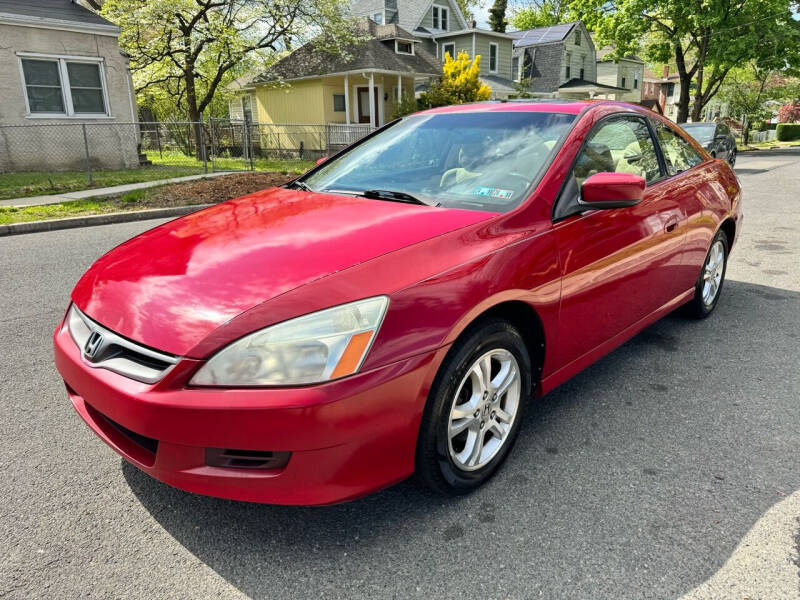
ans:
x=637 y=479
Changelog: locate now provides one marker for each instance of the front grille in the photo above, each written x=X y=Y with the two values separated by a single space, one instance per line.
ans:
x=101 y=348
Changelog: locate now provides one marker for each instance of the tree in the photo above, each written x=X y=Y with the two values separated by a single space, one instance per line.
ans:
x=497 y=16
x=789 y=113
x=747 y=90
x=467 y=6
x=703 y=39
x=186 y=51
x=460 y=83
x=540 y=13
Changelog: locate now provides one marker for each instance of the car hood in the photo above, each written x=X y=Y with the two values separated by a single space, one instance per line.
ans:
x=171 y=286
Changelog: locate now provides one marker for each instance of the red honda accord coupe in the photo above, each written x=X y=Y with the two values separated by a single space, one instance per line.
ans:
x=393 y=310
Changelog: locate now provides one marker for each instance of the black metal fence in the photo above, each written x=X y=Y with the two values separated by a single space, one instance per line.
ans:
x=214 y=145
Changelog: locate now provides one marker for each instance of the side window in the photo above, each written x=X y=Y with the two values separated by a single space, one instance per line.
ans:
x=619 y=145
x=678 y=153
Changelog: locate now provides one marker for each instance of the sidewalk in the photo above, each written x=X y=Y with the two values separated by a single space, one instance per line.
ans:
x=107 y=191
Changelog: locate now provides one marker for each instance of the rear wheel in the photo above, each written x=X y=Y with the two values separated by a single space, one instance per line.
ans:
x=708 y=287
x=475 y=409
x=732 y=158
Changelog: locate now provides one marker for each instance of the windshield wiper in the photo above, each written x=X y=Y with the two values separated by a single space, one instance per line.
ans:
x=394 y=196
x=299 y=185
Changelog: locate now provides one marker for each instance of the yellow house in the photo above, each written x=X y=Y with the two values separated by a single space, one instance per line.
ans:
x=349 y=92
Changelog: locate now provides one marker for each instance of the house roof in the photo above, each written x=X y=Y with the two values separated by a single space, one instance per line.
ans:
x=373 y=53
x=469 y=31
x=603 y=55
x=499 y=85
x=62 y=10
x=577 y=84
x=542 y=35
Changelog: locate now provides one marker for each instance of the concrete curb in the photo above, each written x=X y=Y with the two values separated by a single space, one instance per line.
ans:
x=107 y=219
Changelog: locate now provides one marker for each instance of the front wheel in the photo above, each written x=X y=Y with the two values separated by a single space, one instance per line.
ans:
x=732 y=158
x=475 y=409
x=708 y=287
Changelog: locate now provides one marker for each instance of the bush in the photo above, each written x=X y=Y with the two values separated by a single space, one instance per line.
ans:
x=786 y=132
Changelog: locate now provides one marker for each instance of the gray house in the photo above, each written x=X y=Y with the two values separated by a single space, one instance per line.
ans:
x=61 y=64
x=442 y=29
x=560 y=61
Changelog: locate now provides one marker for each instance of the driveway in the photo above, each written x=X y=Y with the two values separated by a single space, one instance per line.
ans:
x=637 y=479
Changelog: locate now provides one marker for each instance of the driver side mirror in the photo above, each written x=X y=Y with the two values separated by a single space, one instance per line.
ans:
x=612 y=190
x=321 y=160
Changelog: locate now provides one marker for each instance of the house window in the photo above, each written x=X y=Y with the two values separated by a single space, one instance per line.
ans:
x=623 y=83
x=57 y=86
x=493 y=58
x=569 y=65
x=583 y=67
x=636 y=80
x=247 y=109
x=515 y=68
x=577 y=38
x=338 y=103
x=378 y=18
x=449 y=49
x=441 y=16
x=403 y=47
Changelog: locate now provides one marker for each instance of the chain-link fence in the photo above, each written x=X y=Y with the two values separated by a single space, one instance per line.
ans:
x=215 y=145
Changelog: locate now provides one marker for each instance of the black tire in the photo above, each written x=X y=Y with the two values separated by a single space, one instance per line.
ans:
x=434 y=466
x=732 y=158
x=697 y=307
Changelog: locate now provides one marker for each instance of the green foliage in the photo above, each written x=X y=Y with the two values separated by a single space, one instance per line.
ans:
x=408 y=104
x=523 y=88
x=704 y=41
x=460 y=83
x=541 y=13
x=467 y=6
x=185 y=53
x=497 y=16
x=786 y=132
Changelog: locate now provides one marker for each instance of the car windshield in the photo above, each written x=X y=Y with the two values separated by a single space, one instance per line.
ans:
x=472 y=160
x=702 y=132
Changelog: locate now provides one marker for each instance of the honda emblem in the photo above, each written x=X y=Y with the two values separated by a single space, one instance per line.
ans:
x=93 y=345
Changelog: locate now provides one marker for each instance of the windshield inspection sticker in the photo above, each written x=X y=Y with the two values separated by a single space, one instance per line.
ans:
x=492 y=192
x=501 y=193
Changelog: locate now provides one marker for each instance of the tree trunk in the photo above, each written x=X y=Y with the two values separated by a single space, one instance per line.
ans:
x=697 y=105
x=193 y=111
x=685 y=79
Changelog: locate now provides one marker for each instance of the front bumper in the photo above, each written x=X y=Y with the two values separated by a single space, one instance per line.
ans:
x=347 y=438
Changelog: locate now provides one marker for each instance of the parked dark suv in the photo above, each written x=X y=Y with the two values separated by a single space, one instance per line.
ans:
x=714 y=137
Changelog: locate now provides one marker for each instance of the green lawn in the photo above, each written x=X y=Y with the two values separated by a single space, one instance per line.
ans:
x=37 y=183
x=172 y=164
x=76 y=208
x=173 y=158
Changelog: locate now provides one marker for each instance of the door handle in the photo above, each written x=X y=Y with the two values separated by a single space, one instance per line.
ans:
x=671 y=225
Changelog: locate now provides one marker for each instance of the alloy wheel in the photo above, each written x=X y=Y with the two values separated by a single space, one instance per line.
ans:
x=712 y=272
x=484 y=409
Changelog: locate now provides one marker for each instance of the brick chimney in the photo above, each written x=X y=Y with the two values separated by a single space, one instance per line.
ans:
x=666 y=71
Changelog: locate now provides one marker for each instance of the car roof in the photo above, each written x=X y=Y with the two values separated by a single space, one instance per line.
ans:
x=572 y=107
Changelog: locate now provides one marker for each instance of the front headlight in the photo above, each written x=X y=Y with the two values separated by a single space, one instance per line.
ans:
x=324 y=345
